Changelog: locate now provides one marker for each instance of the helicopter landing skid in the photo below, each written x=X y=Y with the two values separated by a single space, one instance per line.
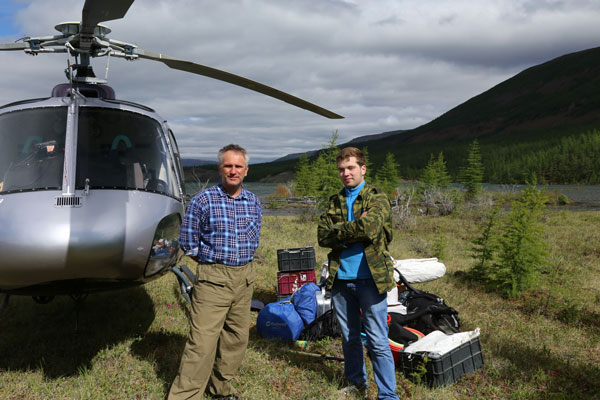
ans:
x=184 y=277
x=78 y=298
x=4 y=301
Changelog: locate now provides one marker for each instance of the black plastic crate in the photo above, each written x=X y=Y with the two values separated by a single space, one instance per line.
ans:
x=301 y=259
x=445 y=369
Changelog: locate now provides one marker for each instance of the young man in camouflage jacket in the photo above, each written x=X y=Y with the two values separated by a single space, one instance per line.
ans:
x=358 y=228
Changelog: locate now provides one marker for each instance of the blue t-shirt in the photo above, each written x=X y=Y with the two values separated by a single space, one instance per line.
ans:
x=353 y=263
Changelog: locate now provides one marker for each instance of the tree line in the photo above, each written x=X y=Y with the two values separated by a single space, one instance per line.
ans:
x=569 y=159
x=319 y=178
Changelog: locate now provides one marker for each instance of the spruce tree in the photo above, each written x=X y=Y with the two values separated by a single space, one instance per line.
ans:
x=522 y=249
x=368 y=174
x=436 y=175
x=387 y=176
x=485 y=248
x=305 y=184
x=472 y=175
x=324 y=171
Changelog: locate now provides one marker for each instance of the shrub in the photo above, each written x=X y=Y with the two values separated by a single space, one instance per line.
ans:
x=508 y=257
x=563 y=200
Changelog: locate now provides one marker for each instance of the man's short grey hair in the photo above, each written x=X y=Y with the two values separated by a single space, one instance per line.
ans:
x=233 y=147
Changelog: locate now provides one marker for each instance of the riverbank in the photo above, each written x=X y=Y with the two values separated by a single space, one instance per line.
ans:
x=581 y=197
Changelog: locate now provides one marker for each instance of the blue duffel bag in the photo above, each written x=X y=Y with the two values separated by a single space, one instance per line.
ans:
x=305 y=302
x=279 y=320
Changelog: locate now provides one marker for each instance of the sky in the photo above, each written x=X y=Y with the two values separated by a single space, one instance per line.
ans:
x=382 y=64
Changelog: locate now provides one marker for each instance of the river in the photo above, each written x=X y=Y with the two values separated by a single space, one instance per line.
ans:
x=581 y=197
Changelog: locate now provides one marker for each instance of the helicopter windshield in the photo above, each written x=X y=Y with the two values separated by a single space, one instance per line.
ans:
x=117 y=149
x=32 y=149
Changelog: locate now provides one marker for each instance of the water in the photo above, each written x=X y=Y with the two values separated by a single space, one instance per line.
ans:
x=262 y=190
x=585 y=197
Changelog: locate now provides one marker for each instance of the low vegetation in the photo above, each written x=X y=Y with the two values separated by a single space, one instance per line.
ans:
x=542 y=344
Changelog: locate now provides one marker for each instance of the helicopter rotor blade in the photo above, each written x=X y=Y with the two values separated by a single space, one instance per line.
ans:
x=96 y=11
x=14 y=46
x=218 y=74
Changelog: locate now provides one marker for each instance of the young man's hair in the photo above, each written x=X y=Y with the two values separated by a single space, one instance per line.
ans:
x=233 y=147
x=348 y=152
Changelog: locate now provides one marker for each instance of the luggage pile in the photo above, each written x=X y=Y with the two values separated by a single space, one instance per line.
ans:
x=303 y=309
x=306 y=315
x=424 y=331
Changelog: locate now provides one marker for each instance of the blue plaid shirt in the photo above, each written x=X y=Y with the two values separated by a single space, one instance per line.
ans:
x=218 y=228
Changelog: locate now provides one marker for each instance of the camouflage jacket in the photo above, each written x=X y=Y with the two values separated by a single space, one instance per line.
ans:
x=374 y=230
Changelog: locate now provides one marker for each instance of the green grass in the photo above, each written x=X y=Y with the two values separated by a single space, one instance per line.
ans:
x=544 y=345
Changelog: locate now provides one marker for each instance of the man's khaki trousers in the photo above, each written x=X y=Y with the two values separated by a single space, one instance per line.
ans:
x=220 y=321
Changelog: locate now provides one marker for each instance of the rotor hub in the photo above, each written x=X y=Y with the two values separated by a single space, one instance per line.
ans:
x=73 y=28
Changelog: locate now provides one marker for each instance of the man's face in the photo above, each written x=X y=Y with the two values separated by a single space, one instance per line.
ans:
x=351 y=173
x=233 y=170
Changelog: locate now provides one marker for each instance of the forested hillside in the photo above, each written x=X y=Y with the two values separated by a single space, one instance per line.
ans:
x=545 y=119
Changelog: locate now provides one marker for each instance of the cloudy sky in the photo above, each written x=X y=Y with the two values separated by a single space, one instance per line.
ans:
x=383 y=64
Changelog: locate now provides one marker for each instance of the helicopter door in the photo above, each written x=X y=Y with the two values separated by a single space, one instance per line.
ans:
x=32 y=146
x=118 y=149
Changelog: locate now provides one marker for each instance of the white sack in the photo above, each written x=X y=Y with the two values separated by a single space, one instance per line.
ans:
x=438 y=342
x=392 y=296
x=397 y=308
x=417 y=270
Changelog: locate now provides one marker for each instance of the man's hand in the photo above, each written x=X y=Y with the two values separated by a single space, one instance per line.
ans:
x=364 y=214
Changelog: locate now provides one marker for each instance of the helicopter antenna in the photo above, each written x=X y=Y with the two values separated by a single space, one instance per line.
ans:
x=108 y=53
x=69 y=70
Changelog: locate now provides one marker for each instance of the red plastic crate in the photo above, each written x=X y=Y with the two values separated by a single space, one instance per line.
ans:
x=289 y=282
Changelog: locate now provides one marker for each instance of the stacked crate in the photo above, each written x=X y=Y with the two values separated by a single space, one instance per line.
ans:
x=296 y=267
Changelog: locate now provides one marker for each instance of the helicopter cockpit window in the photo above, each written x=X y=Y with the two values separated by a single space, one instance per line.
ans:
x=118 y=149
x=32 y=149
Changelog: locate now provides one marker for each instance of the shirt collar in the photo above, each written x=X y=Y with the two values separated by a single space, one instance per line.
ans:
x=223 y=192
x=354 y=191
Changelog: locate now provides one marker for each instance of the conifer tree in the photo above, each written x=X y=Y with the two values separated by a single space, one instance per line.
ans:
x=324 y=171
x=368 y=174
x=436 y=175
x=305 y=184
x=387 y=176
x=472 y=175
x=522 y=249
x=485 y=248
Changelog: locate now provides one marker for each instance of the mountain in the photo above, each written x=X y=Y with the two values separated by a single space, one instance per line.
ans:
x=551 y=97
x=360 y=139
x=295 y=156
x=527 y=116
x=524 y=124
x=376 y=136
x=192 y=162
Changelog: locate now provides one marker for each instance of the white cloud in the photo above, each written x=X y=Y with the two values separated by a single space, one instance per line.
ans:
x=383 y=64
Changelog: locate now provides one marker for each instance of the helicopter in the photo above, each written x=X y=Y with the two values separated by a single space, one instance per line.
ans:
x=91 y=186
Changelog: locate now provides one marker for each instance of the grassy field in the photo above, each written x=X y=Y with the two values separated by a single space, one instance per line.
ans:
x=544 y=345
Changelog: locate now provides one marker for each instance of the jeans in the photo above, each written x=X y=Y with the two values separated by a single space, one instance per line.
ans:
x=349 y=298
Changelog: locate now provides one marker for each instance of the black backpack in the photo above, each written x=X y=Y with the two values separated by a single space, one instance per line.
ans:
x=426 y=312
x=323 y=326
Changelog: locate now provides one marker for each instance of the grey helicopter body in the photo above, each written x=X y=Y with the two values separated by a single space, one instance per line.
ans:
x=109 y=219
x=92 y=187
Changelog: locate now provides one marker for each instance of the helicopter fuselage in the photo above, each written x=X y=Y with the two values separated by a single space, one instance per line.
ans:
x=91 y=195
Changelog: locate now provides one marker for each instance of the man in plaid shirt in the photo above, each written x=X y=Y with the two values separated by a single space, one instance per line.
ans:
x=220 y=231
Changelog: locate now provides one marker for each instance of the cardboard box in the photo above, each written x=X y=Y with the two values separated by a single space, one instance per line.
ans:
x=442 y=370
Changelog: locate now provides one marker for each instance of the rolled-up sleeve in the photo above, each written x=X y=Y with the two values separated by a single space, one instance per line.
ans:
x=189 y=237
